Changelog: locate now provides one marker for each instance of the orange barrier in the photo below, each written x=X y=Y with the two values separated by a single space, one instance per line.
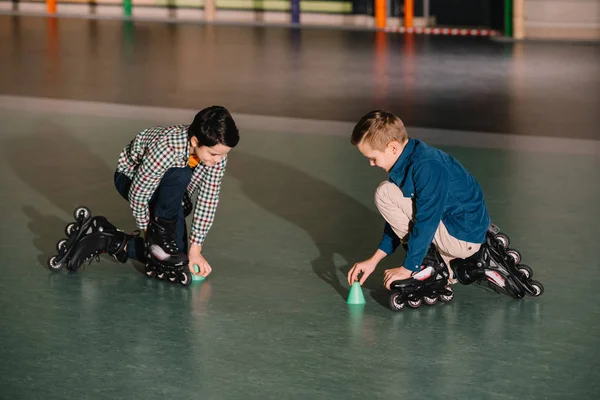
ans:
x=51 y=6
x=380 y=13
x=409 y=12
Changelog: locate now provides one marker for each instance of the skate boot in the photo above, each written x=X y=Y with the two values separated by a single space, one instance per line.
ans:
x=499 y=267
x=163 y=257
x=87 y=238
x=428 y=285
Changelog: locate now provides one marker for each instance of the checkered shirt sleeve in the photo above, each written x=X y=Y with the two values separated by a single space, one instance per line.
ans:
x=146 y=180
x=208 y=184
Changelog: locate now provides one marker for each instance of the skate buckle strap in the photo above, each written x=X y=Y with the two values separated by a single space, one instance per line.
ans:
x=496 y=278
x=159 y=253
x=423 y=274
x=493 y=228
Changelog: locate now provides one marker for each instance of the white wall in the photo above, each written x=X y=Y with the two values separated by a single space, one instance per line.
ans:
x=562 y=19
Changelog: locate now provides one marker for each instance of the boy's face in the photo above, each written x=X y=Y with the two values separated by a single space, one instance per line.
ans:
x=383 y=159
x=212 y=155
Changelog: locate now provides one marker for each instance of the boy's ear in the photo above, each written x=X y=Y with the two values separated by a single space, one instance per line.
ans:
x=394 y=146
x=194 y=141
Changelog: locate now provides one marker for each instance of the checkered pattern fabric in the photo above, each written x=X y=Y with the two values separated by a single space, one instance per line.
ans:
x=146 y=159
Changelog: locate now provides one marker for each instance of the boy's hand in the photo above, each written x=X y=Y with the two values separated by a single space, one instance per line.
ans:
x=366 y=267
x=395 y=274
x=195 y=258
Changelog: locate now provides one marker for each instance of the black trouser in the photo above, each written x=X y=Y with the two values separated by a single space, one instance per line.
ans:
x=166 y=202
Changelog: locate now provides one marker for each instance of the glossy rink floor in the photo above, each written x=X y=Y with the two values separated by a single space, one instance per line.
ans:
x=296 y=211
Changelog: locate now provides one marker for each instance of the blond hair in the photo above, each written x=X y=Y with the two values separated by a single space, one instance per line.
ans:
x=377 y=129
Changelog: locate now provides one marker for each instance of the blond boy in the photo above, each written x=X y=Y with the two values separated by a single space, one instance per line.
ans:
x=429 y=198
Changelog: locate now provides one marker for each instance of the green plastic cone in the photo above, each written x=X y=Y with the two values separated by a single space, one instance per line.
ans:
x=197 y=278
x=356 y=294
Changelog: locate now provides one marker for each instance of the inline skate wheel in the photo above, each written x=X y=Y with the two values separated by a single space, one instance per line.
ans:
x=172 y=276
x=430 y=300
x=61 y=245
x=148 y=271
x=160 y=276
x=395 y=302
x=415 y=303
x=53 y=265
x=81 y=213
x=515 y=255
x=503 y=239
x=447 y=297
x=525 y=270
x=71 y=229
x=537 y=287
x=185 y=278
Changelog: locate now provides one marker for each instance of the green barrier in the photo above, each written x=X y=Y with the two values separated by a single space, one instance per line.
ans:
x=508 y=17
x=127 y=8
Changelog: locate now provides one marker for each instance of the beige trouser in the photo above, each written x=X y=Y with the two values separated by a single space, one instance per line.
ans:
x=398 y=211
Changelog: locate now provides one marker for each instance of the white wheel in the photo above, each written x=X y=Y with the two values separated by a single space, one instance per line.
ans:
x=447 y=297
x=54 y=266
x=61 y=245
x=430 y=300
x=526 y=271
x=515 y=255
x=149 y=272
x=395 y=303
x=71 y=229
x=503 y=239
x=415 y=303
x=172 y=277
x=185 y=278
x=537 y=287
x=160 y=275
x=81 y=213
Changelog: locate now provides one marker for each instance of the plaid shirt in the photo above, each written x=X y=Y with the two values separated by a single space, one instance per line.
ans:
x=146 y=159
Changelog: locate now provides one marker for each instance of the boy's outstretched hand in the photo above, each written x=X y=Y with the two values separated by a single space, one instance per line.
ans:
x=366 y=267
x=196 y=258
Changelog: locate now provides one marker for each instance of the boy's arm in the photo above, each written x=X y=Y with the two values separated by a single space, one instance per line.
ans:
x=387 y=246
x=431 y=191
x=208 y=199
x=390 y=241
x=146 y=181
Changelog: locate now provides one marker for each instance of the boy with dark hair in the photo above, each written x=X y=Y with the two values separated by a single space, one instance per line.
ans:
x=429 y=198
x=158 y=172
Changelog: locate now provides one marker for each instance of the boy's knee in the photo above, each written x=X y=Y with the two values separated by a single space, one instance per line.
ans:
x=178 y=176
x=383 y=192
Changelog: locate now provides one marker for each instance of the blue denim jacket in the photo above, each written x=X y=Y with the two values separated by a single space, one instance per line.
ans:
x=442 y=190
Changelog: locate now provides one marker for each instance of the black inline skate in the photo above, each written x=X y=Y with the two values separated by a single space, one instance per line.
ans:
x=163 y=257
x=87 y=238
x=428 y=285
x=498 y=266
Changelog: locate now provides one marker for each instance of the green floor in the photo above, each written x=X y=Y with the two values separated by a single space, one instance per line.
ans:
x=271 y=322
